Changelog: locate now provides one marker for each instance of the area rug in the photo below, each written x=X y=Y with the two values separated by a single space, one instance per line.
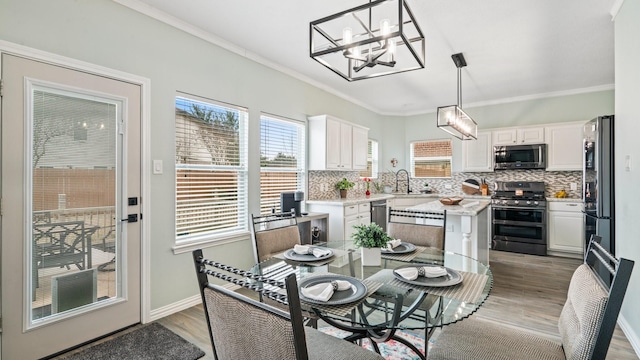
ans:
x=390 y=350
x=151 y=342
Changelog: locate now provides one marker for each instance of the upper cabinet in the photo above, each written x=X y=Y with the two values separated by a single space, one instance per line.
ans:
x=512 y=136
x=360 y=141
x=477 y=155
x=335 y=144
x=564 y=146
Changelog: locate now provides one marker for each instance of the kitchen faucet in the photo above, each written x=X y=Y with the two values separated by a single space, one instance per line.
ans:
x=408 y=177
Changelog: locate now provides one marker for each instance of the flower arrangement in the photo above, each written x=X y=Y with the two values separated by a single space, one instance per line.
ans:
x=370 y=236
x=367 y=181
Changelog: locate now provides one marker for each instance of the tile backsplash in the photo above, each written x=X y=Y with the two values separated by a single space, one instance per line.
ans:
x=322 y=183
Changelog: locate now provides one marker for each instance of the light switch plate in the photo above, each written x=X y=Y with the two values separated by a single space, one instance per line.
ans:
x=627 y=163
x=573 y=186
x=157 y=167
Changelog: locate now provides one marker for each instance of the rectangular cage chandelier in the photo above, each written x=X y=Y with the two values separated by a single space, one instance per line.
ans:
x=452 y=118
x=375 y=39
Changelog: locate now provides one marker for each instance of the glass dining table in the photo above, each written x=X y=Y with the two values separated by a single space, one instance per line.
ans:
x=380 y=303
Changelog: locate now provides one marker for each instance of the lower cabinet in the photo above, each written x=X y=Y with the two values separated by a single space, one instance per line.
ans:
x=342 y=217
x=566 y=228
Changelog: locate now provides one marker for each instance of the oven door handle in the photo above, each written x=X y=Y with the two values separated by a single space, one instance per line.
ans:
x=519 y=208
x=518 y=223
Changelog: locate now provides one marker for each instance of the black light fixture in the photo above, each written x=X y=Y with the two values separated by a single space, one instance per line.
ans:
x=452 y=118
x=370 y=40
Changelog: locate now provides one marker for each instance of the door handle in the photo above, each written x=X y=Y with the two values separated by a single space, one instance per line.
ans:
x=131 y=218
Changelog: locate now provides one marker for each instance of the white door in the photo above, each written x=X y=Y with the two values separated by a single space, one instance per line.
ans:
x=70 y=162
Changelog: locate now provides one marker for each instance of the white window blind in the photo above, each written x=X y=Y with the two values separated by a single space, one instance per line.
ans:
x=372 y=160
x=211 y=169
x=431 y=158
x=282 y=160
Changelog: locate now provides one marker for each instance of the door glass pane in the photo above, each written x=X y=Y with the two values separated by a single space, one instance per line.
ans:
x=74 y=242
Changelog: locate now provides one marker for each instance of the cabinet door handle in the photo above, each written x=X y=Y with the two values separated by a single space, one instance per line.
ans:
x=572 y=204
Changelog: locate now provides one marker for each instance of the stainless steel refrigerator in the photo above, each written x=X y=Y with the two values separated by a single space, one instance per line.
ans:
x=598 y=183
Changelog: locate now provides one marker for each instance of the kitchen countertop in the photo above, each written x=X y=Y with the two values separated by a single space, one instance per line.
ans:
x=375 y=197
x=467 y=207
x=553 y=199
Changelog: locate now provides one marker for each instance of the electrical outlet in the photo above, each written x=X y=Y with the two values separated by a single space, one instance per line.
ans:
x=447 y=186
x=574 y=186
x=449 y=227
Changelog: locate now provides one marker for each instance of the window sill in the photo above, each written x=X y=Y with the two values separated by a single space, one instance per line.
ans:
x=188 y=246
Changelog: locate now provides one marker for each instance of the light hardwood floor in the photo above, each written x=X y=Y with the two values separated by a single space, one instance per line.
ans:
x=528 y=292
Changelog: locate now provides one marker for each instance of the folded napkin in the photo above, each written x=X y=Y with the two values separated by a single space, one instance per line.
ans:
x=313 y=250
x=412 y=273
x=324 y=291
x=391 y=244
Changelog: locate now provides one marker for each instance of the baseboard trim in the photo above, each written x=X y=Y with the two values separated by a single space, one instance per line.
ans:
x=630 y=334
x=177 y=306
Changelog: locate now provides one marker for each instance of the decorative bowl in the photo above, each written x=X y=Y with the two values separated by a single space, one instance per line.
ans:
x=454 y=200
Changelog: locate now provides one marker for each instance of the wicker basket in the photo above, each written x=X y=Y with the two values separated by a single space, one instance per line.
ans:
x=451 y=200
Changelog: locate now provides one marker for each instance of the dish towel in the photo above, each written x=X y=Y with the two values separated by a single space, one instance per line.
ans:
x=324 y=291
x=313 y=250
x=391 y=244
x=412 y=273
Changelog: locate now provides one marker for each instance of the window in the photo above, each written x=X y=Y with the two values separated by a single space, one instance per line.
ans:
x=282 y=160
x=372 y=160
x=211 y=169
x=431 y=158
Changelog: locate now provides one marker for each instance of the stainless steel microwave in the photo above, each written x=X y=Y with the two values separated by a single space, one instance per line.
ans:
x=514 y=157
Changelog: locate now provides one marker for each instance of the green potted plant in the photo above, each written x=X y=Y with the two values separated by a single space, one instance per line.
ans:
x=344 y=185
x=370 y=239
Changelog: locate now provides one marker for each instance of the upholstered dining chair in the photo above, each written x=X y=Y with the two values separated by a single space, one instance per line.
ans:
x=243 y=328
x=586 y=323
x=422 y=228
x=273 y=234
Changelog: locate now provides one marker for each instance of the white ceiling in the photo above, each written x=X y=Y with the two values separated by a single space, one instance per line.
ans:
x=514 y=49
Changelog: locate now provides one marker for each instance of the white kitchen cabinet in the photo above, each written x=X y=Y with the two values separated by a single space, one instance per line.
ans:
x=477 y=155
x=360 y=138
x=564 y=146
x=342 y=217
x=514 y=136
x=565 y=231
x=335 y=144
x=361 y=217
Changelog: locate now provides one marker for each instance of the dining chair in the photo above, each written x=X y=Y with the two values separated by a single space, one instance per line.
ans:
x=422 y=228
x=586 y=323
x=243 y=328
x=273 y=234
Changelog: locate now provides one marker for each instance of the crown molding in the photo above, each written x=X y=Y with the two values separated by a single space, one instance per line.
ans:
x=170 y=20
x=615 y=9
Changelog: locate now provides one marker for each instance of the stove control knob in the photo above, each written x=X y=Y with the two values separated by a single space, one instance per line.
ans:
x=535 y=203
x=516 y=202
x=504 y=201
x=528 y=202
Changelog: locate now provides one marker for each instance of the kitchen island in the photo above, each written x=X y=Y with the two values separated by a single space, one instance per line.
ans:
x=468 y=227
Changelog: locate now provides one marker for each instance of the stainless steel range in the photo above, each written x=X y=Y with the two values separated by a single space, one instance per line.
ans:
x=519 y=217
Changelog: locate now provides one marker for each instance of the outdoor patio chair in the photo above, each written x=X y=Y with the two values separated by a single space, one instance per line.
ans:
x=273 y=234
x=586 y=323
x=422 y=228
x=243 y=328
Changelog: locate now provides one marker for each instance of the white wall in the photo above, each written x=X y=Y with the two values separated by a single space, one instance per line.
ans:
x=627 y=206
